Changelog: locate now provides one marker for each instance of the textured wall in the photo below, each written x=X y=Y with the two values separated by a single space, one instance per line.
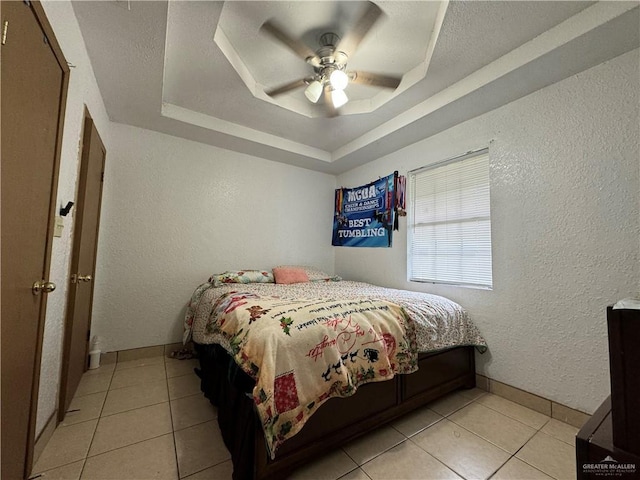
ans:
x=565 y=198
x=565 y=202
x=83 y=90
x=177 y=211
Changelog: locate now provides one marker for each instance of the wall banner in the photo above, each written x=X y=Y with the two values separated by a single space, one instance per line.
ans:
x=363 y=216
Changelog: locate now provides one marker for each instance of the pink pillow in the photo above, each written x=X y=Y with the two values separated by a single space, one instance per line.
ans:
x=289 y=275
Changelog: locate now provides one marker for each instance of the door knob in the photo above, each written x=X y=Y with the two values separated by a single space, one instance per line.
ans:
x=75 y=278
x=42 y=286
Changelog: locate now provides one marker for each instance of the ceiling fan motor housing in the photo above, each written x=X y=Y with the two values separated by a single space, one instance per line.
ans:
x=329 y=39
x=330 y=60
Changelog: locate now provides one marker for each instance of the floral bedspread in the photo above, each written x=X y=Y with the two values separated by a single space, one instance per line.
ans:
x=301 y=352
x=439 y=322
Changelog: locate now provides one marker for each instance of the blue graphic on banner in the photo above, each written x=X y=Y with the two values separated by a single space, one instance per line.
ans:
x=363 y=216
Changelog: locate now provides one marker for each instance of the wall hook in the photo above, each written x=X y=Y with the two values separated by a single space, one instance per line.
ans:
x=64 y=211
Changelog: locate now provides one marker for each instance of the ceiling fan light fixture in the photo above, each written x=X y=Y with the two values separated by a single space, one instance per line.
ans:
x=339 y=98
x=339 y=80
x=313 y=91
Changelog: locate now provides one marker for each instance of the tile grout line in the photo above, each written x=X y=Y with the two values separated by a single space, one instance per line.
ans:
x=511 y=454
x=482 y=438
x=125 y=411
x=128 y=445
x=100 y=416
x=173 y=431
x=84 y=459
x=195 y=424
x=472 y=433
x=113 y=372
x=414 y=443
x=166 y=378
x=423 y=429
x=132 y=409
x=93 y=393
x=533 y=466
x=527 y=463
x=538 y=430
x=86 y=455
x=175 y=444
x=512 y=418
x=359 y=467
x=406 y=438
x=220 y=463
x=394 y=446
x=448 y=467
x=113 y=414
x=493 y=443
x=572 y=445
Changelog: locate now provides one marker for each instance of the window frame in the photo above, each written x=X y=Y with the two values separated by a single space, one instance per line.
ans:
x=411 y=220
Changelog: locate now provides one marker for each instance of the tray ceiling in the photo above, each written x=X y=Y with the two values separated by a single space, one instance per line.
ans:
x=397 y=46
x=198 y=69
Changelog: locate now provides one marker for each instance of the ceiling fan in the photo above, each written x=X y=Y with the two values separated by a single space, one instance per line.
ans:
x=330 y=76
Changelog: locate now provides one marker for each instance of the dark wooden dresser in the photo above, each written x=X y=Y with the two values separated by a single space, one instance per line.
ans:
x=597 y=457
x=608 y=445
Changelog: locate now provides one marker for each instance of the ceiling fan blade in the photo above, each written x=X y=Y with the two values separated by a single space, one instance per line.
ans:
x=287 y=87
x=352 y=39
x=374 y=79
x=299 y=48
x=328 y=102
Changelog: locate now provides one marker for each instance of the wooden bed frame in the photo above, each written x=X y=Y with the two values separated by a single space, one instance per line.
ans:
x=337 y=422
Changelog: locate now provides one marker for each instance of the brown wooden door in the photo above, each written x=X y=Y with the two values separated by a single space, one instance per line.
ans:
x=83 y=261
x=34 y=81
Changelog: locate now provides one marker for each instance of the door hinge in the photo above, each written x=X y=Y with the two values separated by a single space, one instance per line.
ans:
x=88 y=335
x=27 y=2
x=102 y=176
x=5 y=27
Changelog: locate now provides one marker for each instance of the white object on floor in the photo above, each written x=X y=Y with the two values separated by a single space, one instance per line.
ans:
x=94 y=359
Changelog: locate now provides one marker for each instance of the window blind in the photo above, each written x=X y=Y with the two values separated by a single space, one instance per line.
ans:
x=450 y=223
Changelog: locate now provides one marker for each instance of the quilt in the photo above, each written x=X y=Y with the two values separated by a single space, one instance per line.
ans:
x=439 y=322
x=301 y=352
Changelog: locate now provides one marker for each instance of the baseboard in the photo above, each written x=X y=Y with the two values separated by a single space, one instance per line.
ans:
x=44 y=437
x=534 y=402
x=142 y=352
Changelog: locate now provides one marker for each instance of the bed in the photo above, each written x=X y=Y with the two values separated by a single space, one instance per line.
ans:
x=296 y=370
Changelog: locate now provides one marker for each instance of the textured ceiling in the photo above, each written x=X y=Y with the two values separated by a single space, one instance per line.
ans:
x=159 y=67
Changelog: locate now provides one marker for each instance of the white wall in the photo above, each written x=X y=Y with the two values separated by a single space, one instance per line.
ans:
x=176 y=211
x=565 y=224
x=83 y=90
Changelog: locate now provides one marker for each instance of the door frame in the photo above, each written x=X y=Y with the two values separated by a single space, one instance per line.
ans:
x=87 y=127
x=46 y=27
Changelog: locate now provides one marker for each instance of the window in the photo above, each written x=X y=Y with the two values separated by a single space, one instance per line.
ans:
x=450 y=222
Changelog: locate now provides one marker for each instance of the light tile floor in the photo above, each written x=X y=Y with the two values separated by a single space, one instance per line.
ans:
x=146 y=419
